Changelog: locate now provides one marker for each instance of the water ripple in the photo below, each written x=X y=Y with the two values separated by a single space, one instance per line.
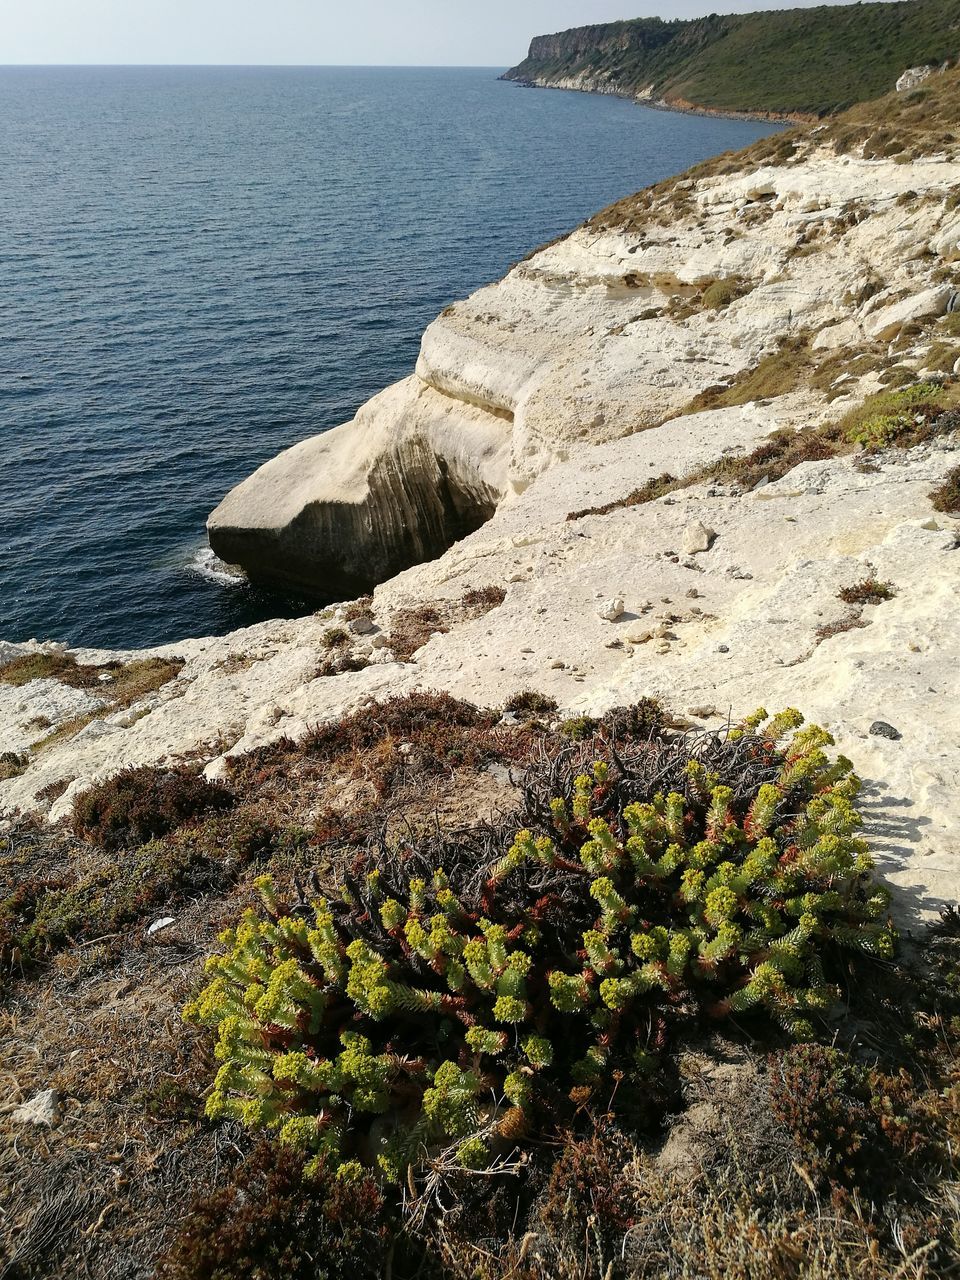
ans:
x=199 y=267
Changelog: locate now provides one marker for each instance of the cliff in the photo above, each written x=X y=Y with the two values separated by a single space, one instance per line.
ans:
x=647 y=433
x=787 y=62
x=705 y=449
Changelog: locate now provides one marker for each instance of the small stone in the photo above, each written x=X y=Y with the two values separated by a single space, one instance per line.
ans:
x=558 y=666
x=693 y=594
x=880 y=729
x=703 y=713
x=611 y=609
x=663 y=648
x=380 y=657
x=723 y=648
x=526 y=651
x=616 y=643
x=217 y=769
x=43 y=1108
x=697 y=537
x=362 y=625
x=159 y=925
x=642 y=637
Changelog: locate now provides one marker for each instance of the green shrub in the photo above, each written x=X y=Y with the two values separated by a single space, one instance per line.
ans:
x=144 y=804
x=869 y=590
x=335 y=637
x=719 y=295
x=894 y=417
x=528 y=702
x=466 y=992
x=579 y=728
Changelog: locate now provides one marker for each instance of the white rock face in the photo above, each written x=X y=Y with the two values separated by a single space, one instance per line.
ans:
x=887 y=322
x=913 y=77
x=553 y=392
x=580 y=344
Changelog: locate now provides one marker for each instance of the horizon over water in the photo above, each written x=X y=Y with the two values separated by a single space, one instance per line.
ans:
x=201 y=266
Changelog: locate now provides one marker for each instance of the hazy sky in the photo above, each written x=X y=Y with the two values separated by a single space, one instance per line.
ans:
x=394 y=32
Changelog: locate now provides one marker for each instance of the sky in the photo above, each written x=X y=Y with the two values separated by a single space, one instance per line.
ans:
x=489 y=33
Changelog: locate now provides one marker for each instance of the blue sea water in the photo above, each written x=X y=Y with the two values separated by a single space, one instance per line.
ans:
x=201 y=266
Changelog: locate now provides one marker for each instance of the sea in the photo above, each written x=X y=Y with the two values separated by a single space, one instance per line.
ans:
x=201 y=266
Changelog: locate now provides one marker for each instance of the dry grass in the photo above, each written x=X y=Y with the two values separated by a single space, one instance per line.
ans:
x=905 y=127
x=412 y=627
x=119 y=685
x=946 y=497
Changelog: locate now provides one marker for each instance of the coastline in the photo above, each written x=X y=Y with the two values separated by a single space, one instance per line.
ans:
x=678 y=106
x=541 y=408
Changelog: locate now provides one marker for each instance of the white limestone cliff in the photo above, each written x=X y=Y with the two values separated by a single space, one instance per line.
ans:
x=561 y=388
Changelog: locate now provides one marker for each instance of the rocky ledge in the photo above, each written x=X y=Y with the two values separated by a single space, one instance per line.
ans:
x=717 y=318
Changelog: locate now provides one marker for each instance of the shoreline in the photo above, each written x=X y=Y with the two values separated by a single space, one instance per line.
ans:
x=678 y=106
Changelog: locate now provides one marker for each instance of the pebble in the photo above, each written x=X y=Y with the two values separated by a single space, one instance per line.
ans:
x=43 y=1108
x=611 y=609
x=698 y=537
x=880 y=729
x=159 y=925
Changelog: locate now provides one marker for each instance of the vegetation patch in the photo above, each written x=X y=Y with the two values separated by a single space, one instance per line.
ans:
x=649 y=491
x=529 y=703
x=811 y=61
x=412 y=627
x=137 y=805
x=869 y=590
x=12 y=764
x=946 y=497
x=900 y=419
x=276 y=1220
x=481 y=600
x=904 y=417
x=729 y=1153
x=486 y=989
x=119 y=685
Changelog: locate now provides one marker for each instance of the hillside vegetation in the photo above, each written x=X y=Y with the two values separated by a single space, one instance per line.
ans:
x=796 y=61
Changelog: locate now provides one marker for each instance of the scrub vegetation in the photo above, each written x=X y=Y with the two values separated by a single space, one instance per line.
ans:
x=675 y=1032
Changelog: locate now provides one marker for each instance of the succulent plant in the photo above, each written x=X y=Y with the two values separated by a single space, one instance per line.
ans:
x=456 y=995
